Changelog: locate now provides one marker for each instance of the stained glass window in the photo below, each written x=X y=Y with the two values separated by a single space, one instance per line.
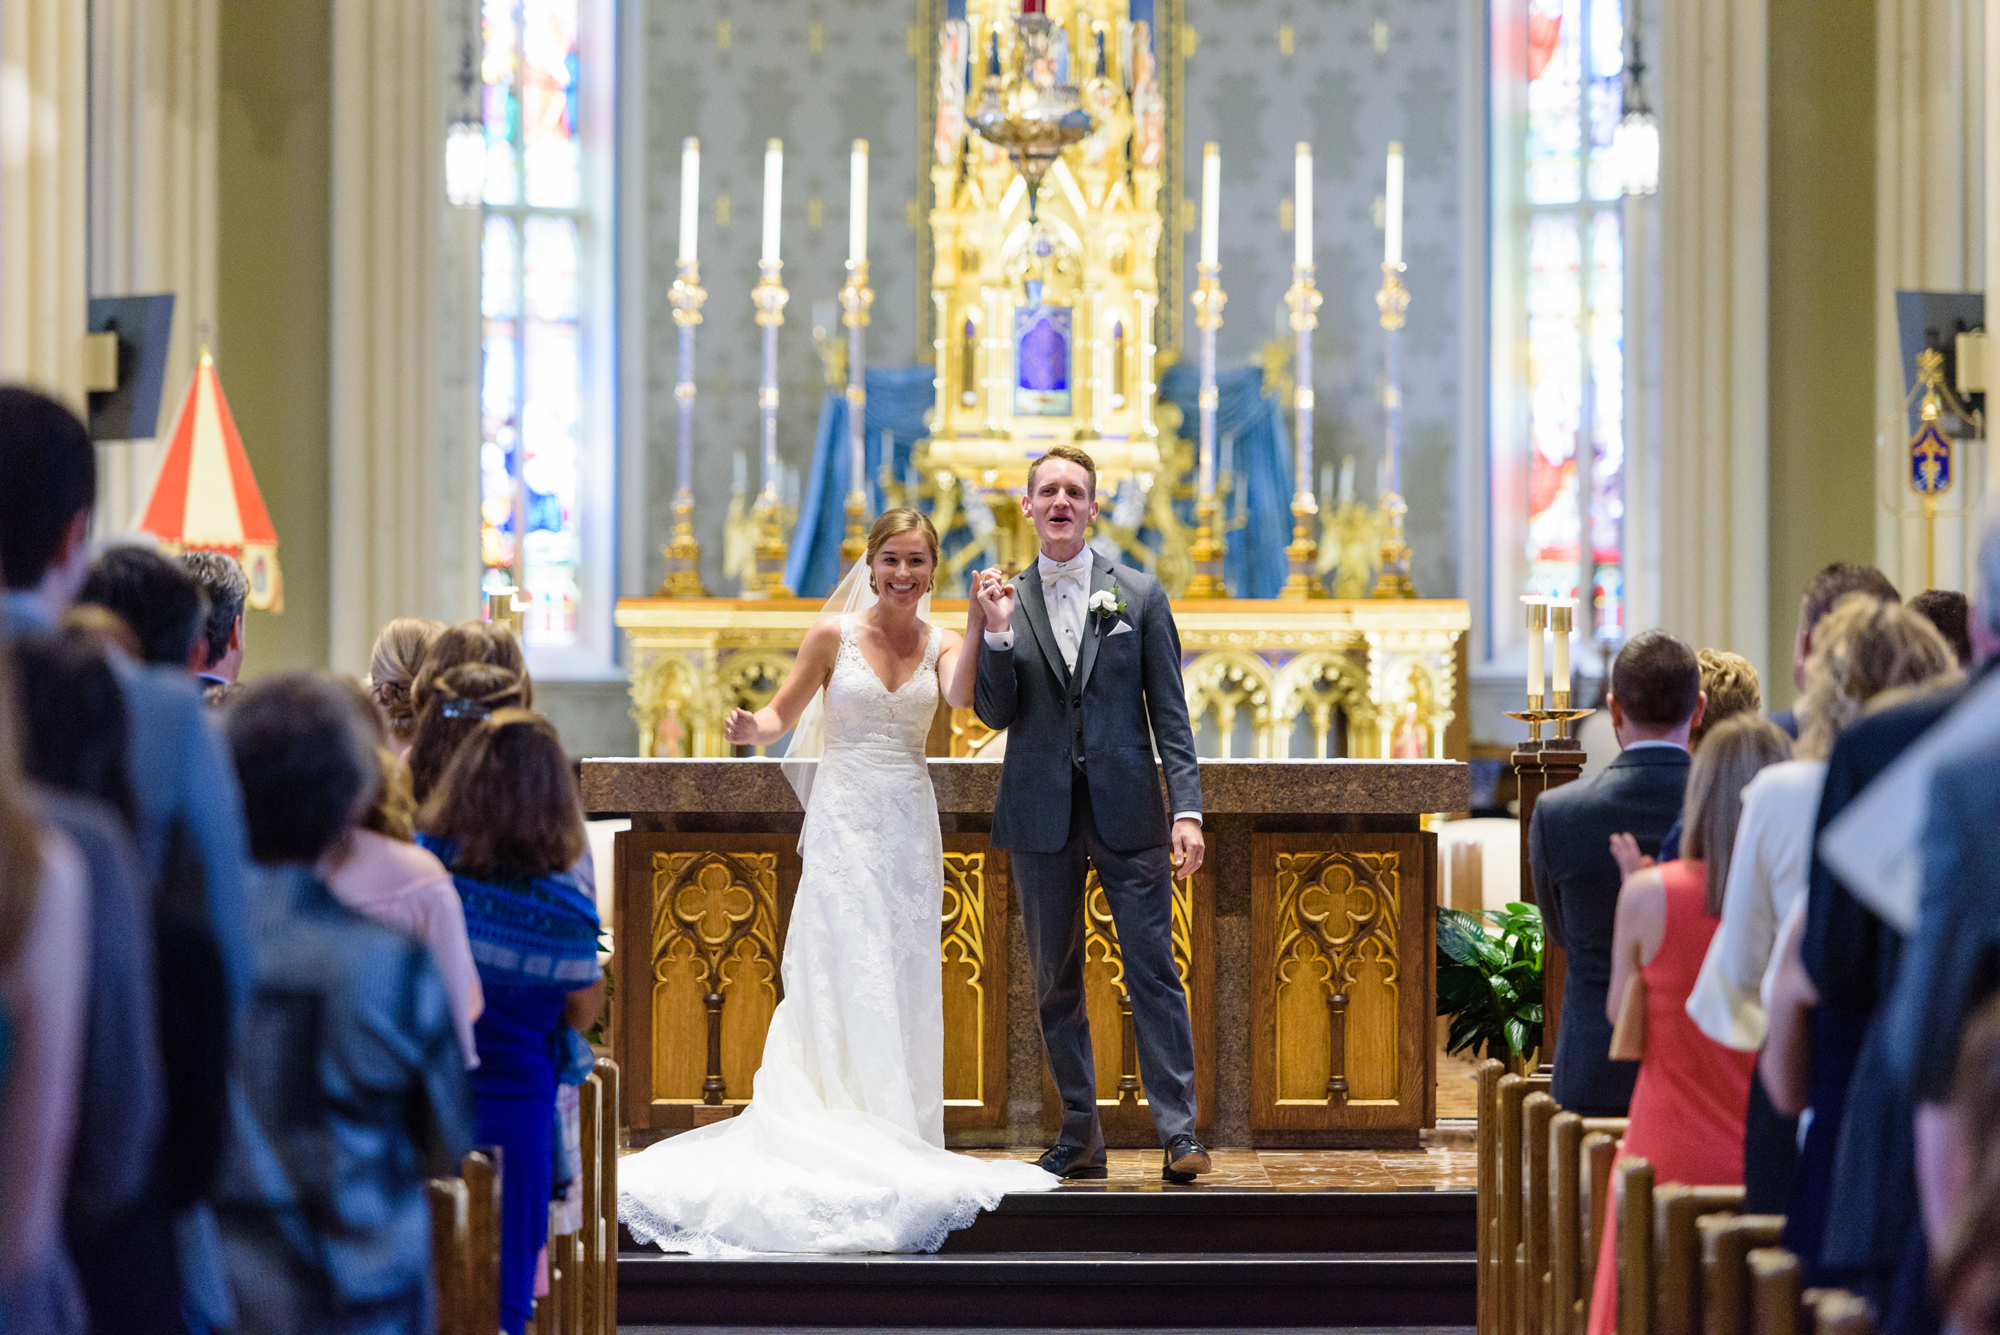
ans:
x=535 y=340
x=1573 y=308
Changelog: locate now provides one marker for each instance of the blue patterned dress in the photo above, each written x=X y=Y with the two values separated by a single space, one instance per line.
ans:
x=535 y=942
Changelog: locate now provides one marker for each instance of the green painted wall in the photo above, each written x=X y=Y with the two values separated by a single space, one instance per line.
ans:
x=1822 y=316
x=274 y=243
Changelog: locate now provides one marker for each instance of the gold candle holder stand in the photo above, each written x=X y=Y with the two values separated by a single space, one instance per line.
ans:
x=1210 y=545
x=682 y=551
x=767 y=575
x=855 y=299
x=1393 y=579
x=1303 y=555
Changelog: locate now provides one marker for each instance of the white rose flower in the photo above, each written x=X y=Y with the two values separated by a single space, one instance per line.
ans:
x=1104 y=602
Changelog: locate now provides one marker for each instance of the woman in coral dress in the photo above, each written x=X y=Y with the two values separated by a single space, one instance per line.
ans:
x=1688 y=1106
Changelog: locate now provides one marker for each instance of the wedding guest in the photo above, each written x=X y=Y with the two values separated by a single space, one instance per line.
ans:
x=378 y=870
x=160 y=602
x=44 y=977
x=217 y=658
x=1863 y=647
x=1853 y=1214
x=350 y=1087
x=1729 y=683
x=1655 y=701
x=508 y=822
x=191 y=841
x=470 y=642
x=105 y=629
x=118 y=1213
x=1687 y=1107
x=1826 y=588
x=456 y=703
x=1947 y=610
x=392 y=669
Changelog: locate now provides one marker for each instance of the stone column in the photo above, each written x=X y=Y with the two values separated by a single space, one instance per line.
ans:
x=153 y=88
x=403 y=504
x=43 y=127
x=1713 y=451
x=1931 y=233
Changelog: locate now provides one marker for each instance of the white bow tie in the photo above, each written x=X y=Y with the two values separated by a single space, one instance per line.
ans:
x=1054 y=575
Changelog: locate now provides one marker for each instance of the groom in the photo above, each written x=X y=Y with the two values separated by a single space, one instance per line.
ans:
x=1086 y=694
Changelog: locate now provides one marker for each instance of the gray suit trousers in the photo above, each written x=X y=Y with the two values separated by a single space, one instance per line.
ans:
x=1139 y=889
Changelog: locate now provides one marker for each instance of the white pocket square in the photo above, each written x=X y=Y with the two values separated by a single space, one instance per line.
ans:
x=1122 y=628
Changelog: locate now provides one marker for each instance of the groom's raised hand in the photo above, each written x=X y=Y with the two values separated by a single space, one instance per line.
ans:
x=995 y=597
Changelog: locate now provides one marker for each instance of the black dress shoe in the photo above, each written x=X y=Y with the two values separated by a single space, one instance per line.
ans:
x=1072 y=1162
x=1185 y=1159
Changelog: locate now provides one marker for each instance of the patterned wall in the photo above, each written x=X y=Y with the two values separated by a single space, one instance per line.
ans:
x=1348 y=75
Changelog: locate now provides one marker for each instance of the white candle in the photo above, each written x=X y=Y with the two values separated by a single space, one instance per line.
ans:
x=857 y=204
x=1535 y=632
x=1392 y=213
x=1347 y=479
x=1211 y=201
x=1302 y=208
x=1560 y=685
x=690 y=196
x=774 y=182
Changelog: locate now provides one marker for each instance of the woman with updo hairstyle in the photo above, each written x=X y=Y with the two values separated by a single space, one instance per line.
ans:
x=507 y=820
x=470 y=642
x=456 y=702
x=392 y=670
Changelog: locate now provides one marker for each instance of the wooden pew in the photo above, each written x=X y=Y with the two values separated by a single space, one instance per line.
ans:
x=450 y=1252
x=1487 y=1211
x=1632 y=1202
x=481 y=1172
x=1538 y=1110
x=1726 y=1243
x=1677 y=1272
x=590 y=1268
x=1510 y=1192
x=1839 y=1312
x=611 y=1094
x=1581 y=1152
x=1776 y=1292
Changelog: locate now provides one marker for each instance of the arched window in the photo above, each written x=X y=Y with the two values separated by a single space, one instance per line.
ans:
x=545 y=420
x=1558 y=388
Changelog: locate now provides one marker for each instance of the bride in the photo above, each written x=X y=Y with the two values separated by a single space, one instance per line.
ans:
x=842 y=1146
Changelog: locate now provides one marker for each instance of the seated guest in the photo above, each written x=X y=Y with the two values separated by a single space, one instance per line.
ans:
x=160 y=602
x=118 y=1217
x=377 y=869
x=218 y=650
x=1729 y=683
x=1946 y=609
x=1860 y=649
x=45 y=972
x=1826 y=588
x=1687 y=1108
x=392 y=669
x=470 y=642
x=508 y=822
x=1655 y=701
x=349 y=1089
x=456 y=703
x=191 y=843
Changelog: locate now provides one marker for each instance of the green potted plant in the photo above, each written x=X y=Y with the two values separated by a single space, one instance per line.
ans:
x=1489 y=981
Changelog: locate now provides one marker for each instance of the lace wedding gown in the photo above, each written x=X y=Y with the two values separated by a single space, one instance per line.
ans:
x=842 y=1146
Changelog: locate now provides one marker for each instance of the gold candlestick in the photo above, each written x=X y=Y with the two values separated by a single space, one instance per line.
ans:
x=1303 y=554
x=767 y=575
x=683 y=552
x=855 y=299
x=1210 y=545
x=1393 y=581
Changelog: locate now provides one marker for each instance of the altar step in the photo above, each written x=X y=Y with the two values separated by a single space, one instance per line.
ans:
x=1124 y=1258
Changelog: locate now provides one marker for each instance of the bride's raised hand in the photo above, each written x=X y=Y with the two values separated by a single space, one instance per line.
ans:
x=996 y=597
x=740 y=728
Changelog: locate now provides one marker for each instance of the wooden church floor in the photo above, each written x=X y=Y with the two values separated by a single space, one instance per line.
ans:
x=1431 y=1169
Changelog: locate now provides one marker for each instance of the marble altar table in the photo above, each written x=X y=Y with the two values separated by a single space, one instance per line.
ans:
x=1307 y=943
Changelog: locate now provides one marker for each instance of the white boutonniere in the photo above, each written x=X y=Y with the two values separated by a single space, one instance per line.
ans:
x=1108 y=603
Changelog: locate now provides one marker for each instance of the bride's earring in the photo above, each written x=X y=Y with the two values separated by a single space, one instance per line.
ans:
x=871 y=585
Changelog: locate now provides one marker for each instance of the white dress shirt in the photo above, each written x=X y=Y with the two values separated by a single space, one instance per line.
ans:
x=1066 y=593
x=1768 y=872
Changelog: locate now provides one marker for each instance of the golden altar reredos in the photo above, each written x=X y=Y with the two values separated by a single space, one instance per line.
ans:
x=1051 y=311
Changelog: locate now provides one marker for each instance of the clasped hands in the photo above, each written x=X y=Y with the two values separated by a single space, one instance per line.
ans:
x=991 y=606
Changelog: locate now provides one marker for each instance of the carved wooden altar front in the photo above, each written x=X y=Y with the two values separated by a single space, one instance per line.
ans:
x=1306 y=945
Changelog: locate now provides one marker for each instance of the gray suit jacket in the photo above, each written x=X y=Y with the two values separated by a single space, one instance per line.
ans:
x=1124 y=698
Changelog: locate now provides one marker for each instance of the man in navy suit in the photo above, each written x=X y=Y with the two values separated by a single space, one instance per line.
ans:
x=1655 y=700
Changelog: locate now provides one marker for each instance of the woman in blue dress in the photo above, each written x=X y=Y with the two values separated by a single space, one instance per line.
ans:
x=507 y=821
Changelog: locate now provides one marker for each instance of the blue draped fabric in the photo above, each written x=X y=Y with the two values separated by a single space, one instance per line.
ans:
x=898 y=398
x=1256 y=565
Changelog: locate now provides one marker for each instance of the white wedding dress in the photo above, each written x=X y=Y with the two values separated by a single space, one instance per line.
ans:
x=842 y=1146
